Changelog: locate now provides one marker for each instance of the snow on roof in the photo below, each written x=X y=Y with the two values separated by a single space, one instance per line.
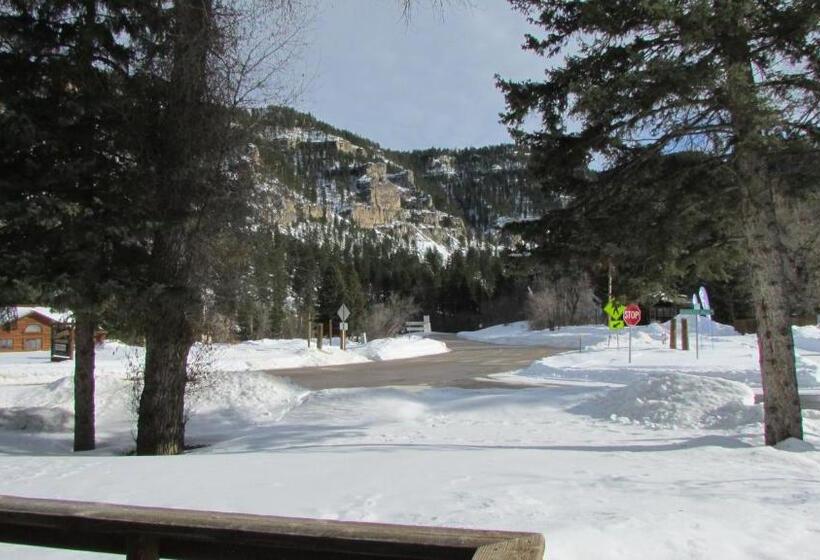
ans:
x=49 y=313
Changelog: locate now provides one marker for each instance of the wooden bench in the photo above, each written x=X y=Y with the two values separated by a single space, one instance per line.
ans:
x=145 y=533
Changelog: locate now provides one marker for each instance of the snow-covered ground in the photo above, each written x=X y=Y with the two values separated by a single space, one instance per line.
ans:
x=598 y=357
x=661 y=458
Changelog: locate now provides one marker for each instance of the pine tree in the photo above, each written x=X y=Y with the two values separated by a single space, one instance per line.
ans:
x=355 y=299
x=734 y=79
x=194 y=187
x=63 y=196
x=331 y=292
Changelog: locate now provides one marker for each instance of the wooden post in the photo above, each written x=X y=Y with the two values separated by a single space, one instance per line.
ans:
x=684 y=334
x=330 y=332
x=342 y=339
x=673 y=334
x=142 y=548
x=319 y=336
x=309 y=332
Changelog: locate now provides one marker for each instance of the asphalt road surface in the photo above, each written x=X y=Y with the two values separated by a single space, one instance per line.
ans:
x=460 y=367
x=465 y=366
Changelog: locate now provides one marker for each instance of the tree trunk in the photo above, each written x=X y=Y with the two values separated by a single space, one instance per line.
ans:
x=783 y=416
x=84 y=382
x=767 y=252
x=176 y=306
x=161 y=423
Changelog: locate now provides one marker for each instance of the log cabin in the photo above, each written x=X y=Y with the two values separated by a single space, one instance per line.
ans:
x=30 y=331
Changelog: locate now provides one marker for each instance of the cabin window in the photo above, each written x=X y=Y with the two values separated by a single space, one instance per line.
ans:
x=33 y=344
x=6 y=344
x=33 y=329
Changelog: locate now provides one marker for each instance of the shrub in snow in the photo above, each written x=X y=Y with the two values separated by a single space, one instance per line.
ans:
x=386 y=319
x=566 y=301
x=677 y=400
x=201 y=369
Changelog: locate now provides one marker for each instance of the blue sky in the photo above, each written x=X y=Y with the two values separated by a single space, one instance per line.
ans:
x=423 y=83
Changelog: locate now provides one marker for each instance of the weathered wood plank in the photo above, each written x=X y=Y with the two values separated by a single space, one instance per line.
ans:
x=175 y=533
x=531 y=547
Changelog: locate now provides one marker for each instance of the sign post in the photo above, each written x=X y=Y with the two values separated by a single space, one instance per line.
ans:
x=62 y=342
x=632 y=316
x=697 y=313
x=343 y=314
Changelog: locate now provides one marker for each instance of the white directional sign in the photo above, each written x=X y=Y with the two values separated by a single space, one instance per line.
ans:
x=343 y=312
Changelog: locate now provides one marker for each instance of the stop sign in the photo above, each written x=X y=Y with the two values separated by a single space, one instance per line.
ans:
x=632 y=315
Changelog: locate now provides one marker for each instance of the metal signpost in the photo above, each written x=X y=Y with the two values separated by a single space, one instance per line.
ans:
x=343 y=314
x=632 y=316
x=697 y=313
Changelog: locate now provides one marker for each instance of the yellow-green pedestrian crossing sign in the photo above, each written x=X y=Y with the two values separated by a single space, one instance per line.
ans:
x=615 y=312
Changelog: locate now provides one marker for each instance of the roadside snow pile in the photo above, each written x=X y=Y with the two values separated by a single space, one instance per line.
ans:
x=251 y=396
x=673 y=400
x=721 y=352
x=400 y=348
x=266 y=354
x=588 y=336
x=519 y=334
x=37 y=395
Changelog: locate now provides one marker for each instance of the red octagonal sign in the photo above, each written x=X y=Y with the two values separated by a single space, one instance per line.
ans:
x=632 y=315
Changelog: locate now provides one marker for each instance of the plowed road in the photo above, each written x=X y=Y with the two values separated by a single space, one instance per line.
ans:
x=460 y=367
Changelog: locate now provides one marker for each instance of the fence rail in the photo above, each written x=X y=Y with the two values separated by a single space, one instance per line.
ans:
x=143 y=533
x=418 y=326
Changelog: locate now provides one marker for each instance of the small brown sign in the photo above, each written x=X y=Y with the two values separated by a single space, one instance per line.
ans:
x=62 y=342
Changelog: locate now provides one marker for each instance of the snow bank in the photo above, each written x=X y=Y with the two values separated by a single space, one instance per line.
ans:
x=584 y=336
x=519 y=334
x=673 y=400
x=600 y=357
x=37 y=395
x=114 y=358
x=400 y=348
x=267 y=354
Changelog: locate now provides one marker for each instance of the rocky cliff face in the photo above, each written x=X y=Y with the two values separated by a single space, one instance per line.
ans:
x=437 y=199
x=487 y=186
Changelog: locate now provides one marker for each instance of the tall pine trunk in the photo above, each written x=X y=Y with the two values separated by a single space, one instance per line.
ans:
x=161 y=425
x=86 y=321
x=767 y=257
x=783 y=416
x=86 y=324
x=175 y=304
x=175 y=307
